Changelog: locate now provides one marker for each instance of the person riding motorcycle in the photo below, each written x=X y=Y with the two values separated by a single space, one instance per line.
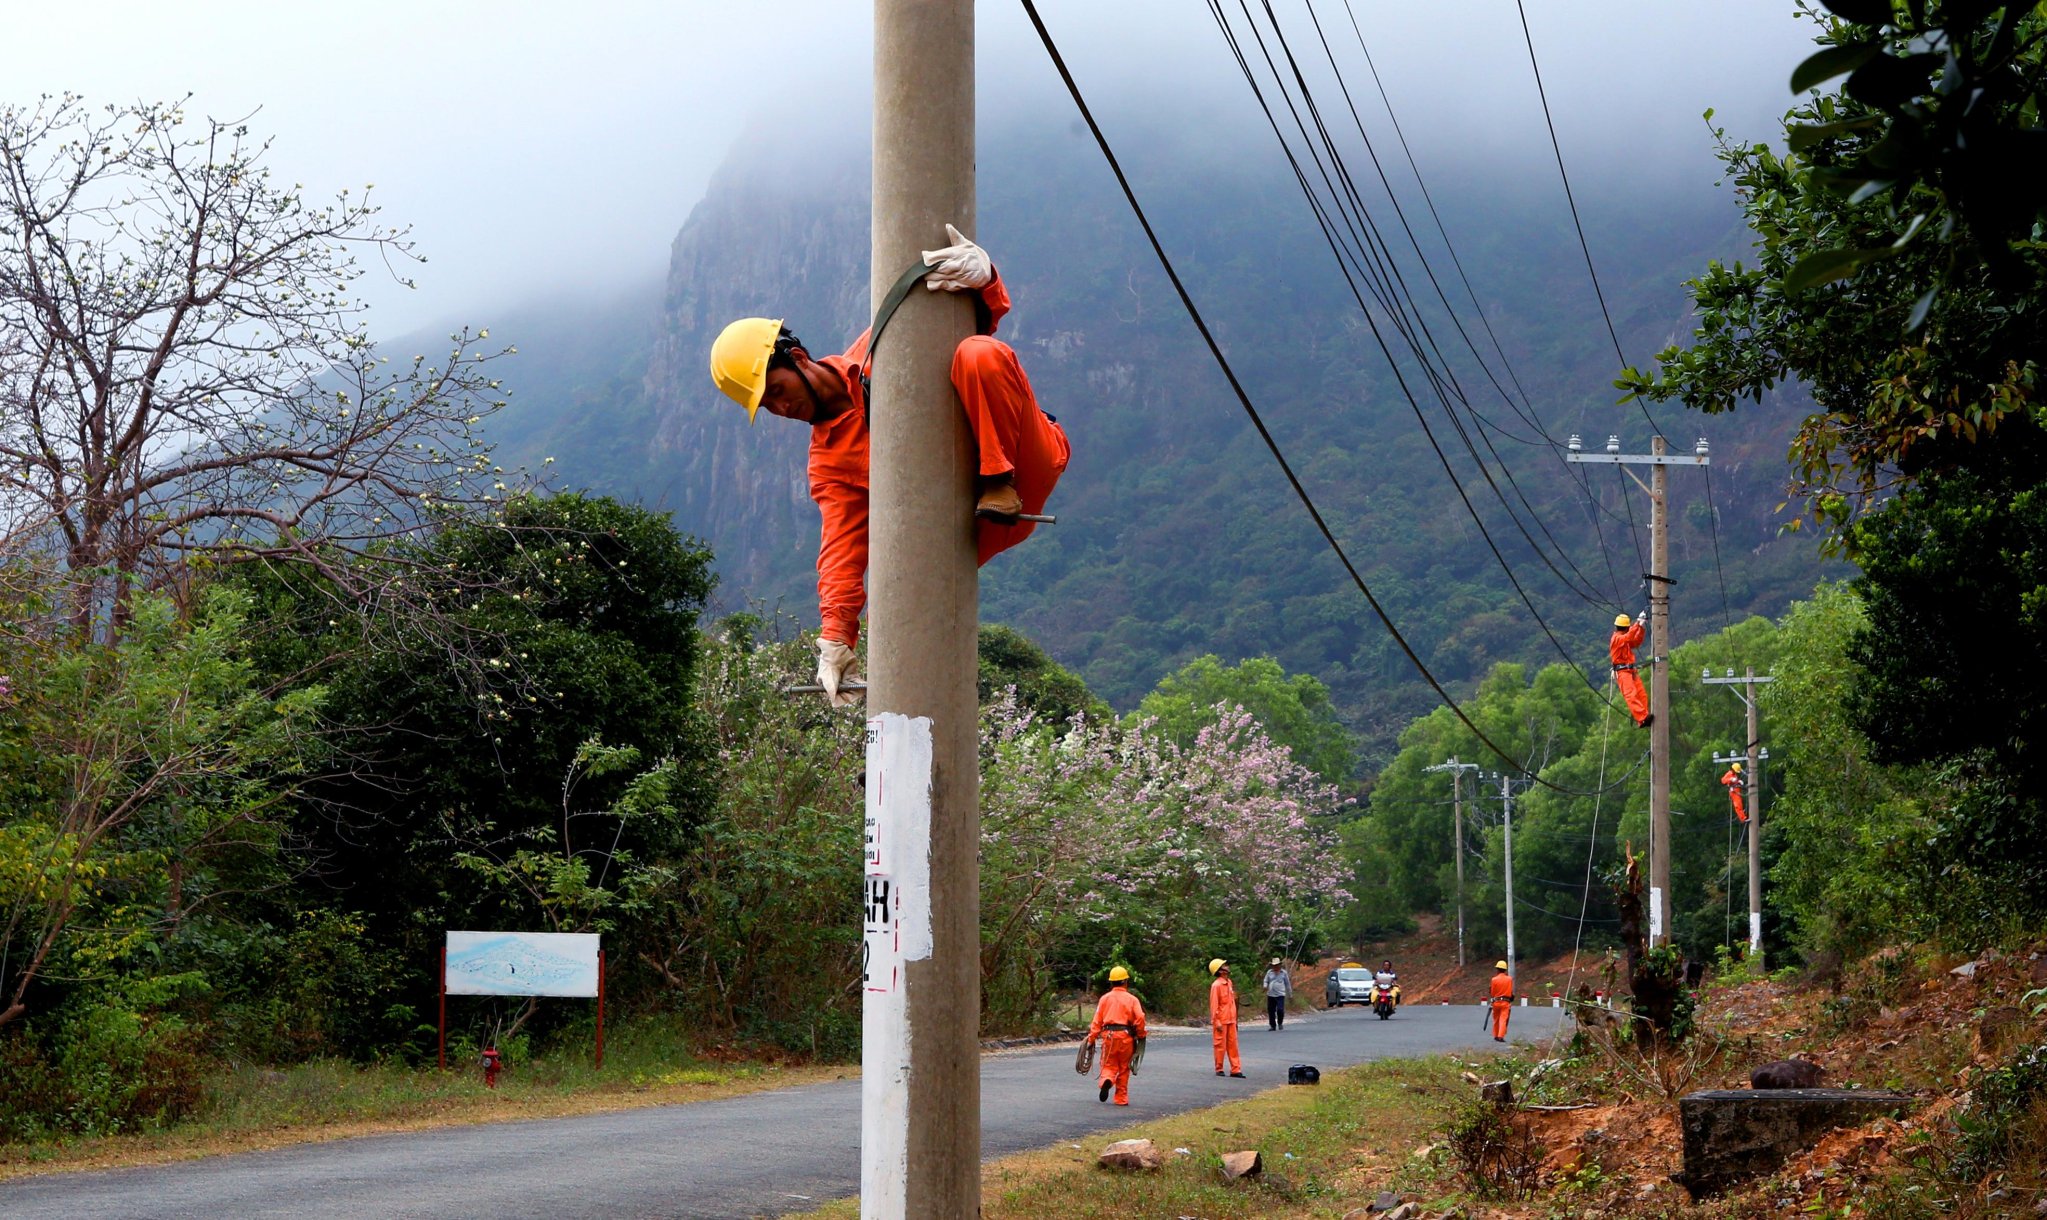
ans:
x=1385 y=978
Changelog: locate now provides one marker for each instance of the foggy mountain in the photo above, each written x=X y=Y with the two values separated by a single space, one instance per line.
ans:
x=1178 y=534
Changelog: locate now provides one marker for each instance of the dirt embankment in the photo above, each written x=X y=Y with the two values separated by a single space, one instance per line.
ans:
x=1918 y=1026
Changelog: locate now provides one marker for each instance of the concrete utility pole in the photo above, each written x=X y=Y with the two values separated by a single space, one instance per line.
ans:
x=1507 y=845
x=1752 y=760
x=1659 y=581
x=1507 y=838
x=920 y=1060
x=1457 y=770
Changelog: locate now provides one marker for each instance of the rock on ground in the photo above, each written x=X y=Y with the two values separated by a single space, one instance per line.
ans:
x=1131 y=1154
x=1242 y=1164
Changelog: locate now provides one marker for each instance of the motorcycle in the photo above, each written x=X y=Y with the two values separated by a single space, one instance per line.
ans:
x=1383 y=1000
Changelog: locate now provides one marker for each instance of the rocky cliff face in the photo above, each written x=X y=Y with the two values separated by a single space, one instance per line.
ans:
x=759 y=244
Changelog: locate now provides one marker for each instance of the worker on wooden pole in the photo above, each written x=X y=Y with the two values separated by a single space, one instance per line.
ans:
x=1620 y=648
x=1019 y=450
x=1733 y=782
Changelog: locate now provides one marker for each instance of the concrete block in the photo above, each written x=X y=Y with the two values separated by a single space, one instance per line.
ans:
x=1731 y=1135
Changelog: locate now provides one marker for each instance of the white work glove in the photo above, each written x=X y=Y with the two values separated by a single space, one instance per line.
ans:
x=833 y=659
x=960 y=267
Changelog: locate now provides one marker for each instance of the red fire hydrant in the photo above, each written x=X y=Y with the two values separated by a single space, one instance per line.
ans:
x=492 y=1061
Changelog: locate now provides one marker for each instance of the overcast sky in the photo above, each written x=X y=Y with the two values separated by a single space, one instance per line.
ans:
x=536 y=147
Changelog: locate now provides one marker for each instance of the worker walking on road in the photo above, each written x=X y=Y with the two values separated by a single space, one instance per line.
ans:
x=1222 y=1017
x=1278 y=986
x=1020 y=451
x=1119 y=1027
x=1734 y=783
x=1627 y=636
x=1502 y=999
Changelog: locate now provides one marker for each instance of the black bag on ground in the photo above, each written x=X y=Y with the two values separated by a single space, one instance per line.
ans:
x=1303 y=1073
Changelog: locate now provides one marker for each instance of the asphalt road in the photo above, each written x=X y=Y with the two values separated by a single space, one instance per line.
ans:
x=761 y=1155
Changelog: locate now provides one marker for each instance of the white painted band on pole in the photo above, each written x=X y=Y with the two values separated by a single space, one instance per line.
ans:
x=896 y=932
x=1755 y=931
x=1655 y=914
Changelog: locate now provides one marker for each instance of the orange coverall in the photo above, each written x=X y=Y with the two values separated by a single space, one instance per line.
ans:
x=1502 y=989
x=1734 y=784
x=1011 y=436
x=1118 y=1023
x=1621 y=648
x=1222 y=1020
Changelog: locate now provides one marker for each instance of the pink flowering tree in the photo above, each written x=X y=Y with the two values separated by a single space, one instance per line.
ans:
x=1110 y=831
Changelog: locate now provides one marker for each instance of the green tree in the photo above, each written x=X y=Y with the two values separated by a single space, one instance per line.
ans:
x=1293 y=708
x=1949 y=668
x=1868 y=286
x=567 y=618
x=1044 y=687
x=134 y=771
x=1854 y=868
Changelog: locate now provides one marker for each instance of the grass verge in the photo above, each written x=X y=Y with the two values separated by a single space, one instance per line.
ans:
x=247 y=1109
x=1325 y=1149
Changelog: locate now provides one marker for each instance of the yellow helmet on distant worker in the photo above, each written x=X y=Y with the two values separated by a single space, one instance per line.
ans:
x=739 y=360
x=1215 y=964
x=1118 y=974
x=1619 y=620
x=1737 y=766
x=1501 y=964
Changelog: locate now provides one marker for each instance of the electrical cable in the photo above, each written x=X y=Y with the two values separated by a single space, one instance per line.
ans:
x=1570 y=198
x=1585 y=898
x=1389 y=271
x=1251 y=411
x=1337 y=248
x=1526 y=416
x=1713 y=522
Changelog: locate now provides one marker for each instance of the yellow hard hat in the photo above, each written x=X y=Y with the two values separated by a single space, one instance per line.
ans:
x=739 y=360
x=1737 y=766
x=1619 y=620
x=1501 y=964
x=1118 y=974
x=1215 y=964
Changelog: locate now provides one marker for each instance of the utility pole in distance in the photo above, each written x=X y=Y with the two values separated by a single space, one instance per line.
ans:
x=1507 y=848
x=1658 y=578
x=920 y=1054
x=1457 y=770
x=1752 y=758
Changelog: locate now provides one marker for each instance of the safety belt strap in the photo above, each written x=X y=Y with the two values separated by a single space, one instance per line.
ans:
x=896 y=294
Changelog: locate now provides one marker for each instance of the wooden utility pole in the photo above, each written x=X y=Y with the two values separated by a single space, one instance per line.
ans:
x=920 y=1057
x=1659 y=582
x=1751 y=780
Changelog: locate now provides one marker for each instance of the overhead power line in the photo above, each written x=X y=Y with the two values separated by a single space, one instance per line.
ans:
x=1251 y=411
x=1369 y=252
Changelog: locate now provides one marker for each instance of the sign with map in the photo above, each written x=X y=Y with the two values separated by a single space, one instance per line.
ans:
x=522 y=963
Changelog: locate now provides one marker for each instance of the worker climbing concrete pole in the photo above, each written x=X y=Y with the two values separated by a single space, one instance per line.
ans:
x=924 y=587
x=1659 y=694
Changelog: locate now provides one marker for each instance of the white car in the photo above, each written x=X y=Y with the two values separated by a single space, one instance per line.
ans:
x=1349 y=983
